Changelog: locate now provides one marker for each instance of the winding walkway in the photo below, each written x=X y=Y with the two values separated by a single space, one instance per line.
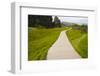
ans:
x=62 y=49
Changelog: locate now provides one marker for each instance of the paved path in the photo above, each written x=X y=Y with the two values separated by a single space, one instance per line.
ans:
x=62 y=49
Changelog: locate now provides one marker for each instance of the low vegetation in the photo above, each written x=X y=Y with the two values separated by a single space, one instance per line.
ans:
x=79 y=40
x=40 y=40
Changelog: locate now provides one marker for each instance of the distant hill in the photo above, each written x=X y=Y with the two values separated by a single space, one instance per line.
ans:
x=70 y=23
x=67 y=23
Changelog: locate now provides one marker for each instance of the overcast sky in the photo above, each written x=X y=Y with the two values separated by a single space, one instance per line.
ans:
x=79 y=20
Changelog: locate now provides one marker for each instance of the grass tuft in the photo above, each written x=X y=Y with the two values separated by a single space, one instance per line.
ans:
x=79 y=41
x=40 y=40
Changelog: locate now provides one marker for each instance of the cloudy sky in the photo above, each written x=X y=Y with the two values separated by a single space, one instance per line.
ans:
x=79 y=20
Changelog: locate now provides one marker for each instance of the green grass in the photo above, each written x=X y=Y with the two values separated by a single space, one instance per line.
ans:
x=79 y=41
x=40 y=40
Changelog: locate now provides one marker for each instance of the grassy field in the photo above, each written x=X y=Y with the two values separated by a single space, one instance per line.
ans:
x=79 y=41
x=40 y=40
